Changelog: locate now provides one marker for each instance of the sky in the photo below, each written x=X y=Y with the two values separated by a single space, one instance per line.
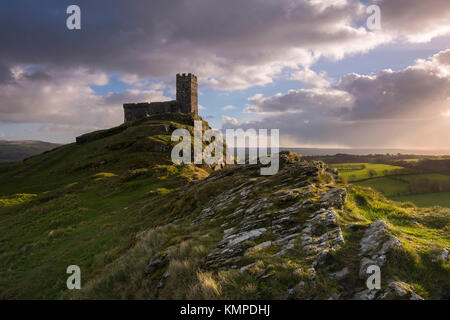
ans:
x=311 y=68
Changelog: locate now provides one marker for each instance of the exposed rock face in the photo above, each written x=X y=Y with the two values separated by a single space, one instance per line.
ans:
x=375 y=244
x=374 y=247
x=443 y=255
x=260 y=218
x=156 y=263
x=334 y=198
x=321 y=235
x=394 y=290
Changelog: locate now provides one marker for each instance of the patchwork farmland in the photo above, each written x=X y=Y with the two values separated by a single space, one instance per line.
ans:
x=399 y=183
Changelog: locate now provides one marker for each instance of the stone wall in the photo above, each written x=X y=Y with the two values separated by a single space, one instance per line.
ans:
x=135 y=111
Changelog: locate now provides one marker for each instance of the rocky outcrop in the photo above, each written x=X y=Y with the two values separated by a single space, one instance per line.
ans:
x=375 y=245
x=321 y=235
x=267 y=221
x=271 y=223
x=334 y=198
x=395 y=290
x=300 y=216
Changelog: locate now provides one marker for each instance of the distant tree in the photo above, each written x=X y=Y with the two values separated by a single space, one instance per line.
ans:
x=372 y=173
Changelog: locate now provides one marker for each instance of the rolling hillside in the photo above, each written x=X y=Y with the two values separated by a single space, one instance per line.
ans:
x=140 y=227
x=13 y=151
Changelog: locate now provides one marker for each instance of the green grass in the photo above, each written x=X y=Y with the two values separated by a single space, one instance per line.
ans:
x=408 y=160
x=430 y=176
x=360 y=171
x=387 y=185
x=82 y=204
x=427 y=200
x=417 y=188
x=13 y=151
x=15 y=199
x=395 y=185
x=423 y=232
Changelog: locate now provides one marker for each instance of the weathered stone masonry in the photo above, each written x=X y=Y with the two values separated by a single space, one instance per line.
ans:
x=186 y=102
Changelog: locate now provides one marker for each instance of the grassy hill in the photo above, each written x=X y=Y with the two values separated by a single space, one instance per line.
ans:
x=13 y=151
x=140 y=227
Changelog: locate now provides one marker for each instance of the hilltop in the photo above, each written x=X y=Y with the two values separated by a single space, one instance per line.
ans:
x=142 y=228
x=13 y=151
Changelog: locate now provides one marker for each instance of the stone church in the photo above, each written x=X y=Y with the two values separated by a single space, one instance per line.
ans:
x=186 y=102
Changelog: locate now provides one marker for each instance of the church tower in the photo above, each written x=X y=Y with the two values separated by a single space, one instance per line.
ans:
x=187 y=95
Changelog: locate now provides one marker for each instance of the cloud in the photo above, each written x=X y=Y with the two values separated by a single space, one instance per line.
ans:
x=415 y=20
x=310 y=78
x=400 y=108
x=302 y=100
x=65 y=98
x=229 y=121
x=232 y=45
x=228 y=107
x=418 y=92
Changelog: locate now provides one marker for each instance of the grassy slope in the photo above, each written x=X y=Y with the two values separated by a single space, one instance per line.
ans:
x=12 y=151
x=422 y=231
x=81 y=206
x=387 y=185
x=111 y=204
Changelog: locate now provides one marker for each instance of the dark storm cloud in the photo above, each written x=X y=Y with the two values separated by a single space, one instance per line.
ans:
x=5 y=74
x=231 y=44
x=249 y=40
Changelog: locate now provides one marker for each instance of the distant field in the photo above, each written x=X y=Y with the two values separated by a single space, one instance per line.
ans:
x=430 y=176
x=408 y=160
x=424 y=190
x=427 y=200
x=395 y=185
x=419 y=186
x=386 y=185
x=361 y=171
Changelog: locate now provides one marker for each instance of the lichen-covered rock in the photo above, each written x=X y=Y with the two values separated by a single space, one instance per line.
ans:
x=321 y=235
x=375 y=245
x=334 y=198
x=395 y=290
x=339 y=275
x=399 y=289
x=443 y=256
x=156 y=263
